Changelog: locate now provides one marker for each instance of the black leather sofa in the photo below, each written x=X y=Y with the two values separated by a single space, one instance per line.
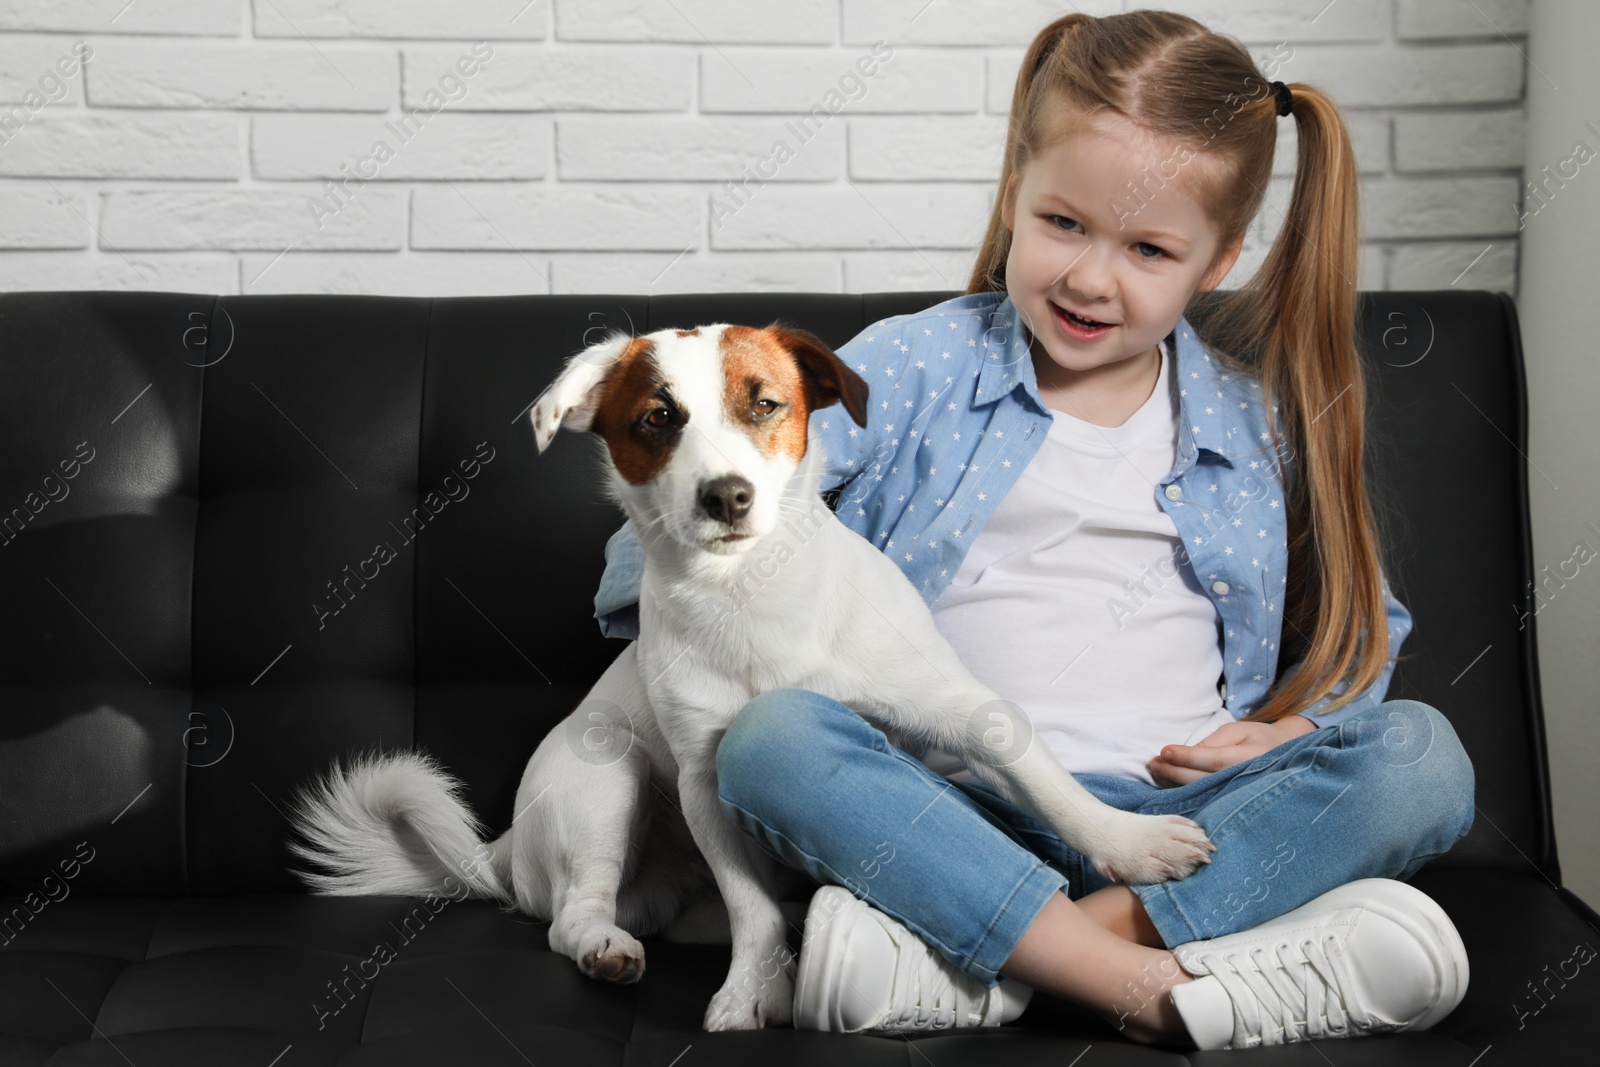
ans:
x=189 y=486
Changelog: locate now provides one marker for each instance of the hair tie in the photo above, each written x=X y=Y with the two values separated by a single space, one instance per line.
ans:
x=1285 y=98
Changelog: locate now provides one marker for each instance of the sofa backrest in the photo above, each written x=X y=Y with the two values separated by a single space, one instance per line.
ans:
x=242 y=536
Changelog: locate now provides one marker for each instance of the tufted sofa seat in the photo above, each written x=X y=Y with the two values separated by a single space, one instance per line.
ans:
x=188 y=484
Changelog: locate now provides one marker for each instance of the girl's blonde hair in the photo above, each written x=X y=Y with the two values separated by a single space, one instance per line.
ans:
x=1292 y=325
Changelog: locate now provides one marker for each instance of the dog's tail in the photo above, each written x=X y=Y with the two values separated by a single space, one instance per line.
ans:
x=396 y=825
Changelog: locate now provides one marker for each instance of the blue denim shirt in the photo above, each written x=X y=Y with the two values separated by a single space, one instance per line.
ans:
x=953 y=417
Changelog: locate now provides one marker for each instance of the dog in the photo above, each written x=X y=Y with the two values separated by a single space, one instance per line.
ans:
x=705 y=432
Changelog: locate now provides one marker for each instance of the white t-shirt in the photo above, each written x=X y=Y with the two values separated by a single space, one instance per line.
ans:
x=1076 y=602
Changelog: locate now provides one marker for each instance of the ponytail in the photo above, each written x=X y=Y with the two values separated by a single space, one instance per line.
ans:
x=1299 y=314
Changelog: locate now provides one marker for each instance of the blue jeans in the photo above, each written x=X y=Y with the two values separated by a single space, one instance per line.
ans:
x=1376 y=796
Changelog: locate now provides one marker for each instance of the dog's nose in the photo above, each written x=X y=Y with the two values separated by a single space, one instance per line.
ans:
x=727 y=499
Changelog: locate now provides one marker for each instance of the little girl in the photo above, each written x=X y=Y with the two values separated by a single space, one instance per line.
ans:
x=1110 y=514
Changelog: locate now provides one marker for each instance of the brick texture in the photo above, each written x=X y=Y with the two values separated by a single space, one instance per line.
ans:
x=505 y=146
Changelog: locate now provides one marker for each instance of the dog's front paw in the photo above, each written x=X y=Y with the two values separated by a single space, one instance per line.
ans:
x=752 y=1005
x=1144 y=849
x=610 y=954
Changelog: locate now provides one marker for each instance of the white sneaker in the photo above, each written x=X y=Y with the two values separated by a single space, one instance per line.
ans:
x=1371 y=956
x=862 y=970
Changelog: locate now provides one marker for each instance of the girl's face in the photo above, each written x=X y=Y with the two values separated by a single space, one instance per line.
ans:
x=1084 y=240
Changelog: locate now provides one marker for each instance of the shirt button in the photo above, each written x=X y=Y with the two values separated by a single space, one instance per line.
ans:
x=1220 y=588
x=1174 y=492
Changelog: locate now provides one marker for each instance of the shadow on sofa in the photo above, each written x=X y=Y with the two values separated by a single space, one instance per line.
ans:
x=244 y=535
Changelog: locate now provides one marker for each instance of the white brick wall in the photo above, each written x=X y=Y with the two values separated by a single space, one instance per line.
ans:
x=627 y=146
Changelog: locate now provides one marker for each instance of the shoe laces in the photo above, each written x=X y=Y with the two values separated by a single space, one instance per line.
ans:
x=930 y=993
x=1281 y=997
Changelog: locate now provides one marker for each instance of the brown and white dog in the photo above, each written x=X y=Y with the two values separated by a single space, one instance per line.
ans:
x=706 y=435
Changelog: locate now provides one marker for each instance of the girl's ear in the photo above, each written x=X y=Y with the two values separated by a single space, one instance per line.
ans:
x=1224 y=263
x=571 y=400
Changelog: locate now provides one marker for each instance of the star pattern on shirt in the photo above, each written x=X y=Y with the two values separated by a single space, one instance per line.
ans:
x=975 y=450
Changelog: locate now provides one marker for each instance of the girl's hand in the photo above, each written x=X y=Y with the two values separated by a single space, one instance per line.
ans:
x=1228 y=744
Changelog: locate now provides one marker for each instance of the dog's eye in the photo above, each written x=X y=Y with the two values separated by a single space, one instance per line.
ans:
x=651 y=421
x=773 y=406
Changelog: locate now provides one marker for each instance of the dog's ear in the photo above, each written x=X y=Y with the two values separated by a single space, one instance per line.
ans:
x=571 y=400
x=826 y=378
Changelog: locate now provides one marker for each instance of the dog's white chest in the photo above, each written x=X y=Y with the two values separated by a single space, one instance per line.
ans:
x=711 y=646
